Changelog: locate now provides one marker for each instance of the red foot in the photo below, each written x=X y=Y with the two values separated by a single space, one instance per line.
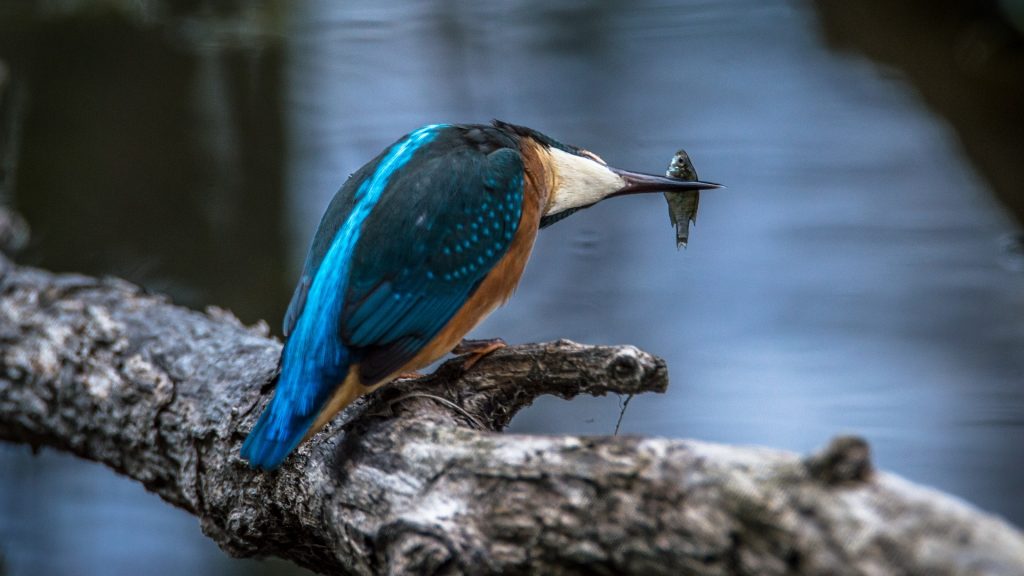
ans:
x=477 y=349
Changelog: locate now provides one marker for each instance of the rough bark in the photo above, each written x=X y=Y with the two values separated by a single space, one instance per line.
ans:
x=416 y=479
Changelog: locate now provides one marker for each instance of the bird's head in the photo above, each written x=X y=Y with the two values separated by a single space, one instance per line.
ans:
x=579 y=178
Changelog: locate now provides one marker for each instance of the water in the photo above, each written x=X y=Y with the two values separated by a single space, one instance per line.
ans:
x=857 y=276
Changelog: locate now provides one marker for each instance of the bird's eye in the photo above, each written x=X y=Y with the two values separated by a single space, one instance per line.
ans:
x=592 y=156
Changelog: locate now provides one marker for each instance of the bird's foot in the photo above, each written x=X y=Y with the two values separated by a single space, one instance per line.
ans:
x=476 y=350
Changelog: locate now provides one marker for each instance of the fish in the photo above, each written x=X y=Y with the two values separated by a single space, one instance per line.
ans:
x=682 y=206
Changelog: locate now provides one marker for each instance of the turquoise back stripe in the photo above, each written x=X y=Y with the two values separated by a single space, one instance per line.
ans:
x=314 y=344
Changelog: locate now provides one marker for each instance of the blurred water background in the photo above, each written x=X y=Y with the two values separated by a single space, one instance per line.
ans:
x=863 y=273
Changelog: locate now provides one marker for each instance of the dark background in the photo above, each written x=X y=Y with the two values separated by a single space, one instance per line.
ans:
x=863 y=273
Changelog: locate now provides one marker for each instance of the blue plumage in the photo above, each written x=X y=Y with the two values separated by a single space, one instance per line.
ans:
x=426 y=261
x=315 y=360
x=402 y=246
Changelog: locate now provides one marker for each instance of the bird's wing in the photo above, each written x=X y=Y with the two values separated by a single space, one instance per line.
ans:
x=336 y=214
x=441 y=226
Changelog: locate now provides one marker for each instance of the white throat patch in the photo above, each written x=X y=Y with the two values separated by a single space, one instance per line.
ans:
x=579 y=182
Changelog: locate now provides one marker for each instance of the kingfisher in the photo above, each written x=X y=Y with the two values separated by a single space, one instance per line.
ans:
x=416 y=248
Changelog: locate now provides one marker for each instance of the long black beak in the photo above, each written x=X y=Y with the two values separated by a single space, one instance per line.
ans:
x=637 y=183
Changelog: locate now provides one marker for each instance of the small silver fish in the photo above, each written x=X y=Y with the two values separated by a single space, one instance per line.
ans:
x=682 y=206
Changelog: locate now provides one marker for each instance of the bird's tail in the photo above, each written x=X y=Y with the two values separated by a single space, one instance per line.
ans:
x=269 y=444
x=304 y=390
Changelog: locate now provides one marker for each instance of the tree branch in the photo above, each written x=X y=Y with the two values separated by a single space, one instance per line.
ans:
x=406 y=483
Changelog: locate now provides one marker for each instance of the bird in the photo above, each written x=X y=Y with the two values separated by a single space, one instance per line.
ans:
x=417 y=247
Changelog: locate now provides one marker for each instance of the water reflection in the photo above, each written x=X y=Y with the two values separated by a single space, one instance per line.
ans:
x=853 y=278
